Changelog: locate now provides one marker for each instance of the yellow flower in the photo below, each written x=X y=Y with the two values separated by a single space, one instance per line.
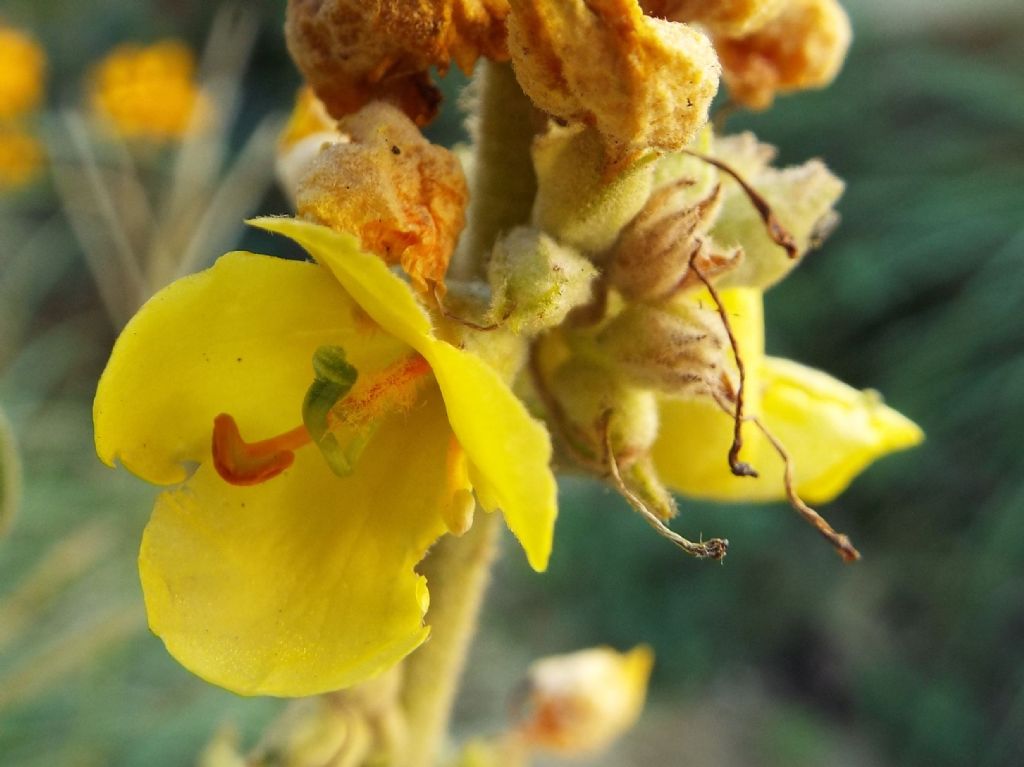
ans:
x=21 y=157
x=582 y=702
x=304 y=583
x=147 y=92
x=22 y=67
x=831 y=431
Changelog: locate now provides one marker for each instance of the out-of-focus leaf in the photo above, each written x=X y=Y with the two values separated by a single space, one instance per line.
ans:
x=10 y=476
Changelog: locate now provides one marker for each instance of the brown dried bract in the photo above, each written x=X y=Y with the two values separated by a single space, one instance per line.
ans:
x=804 y=47
x=653 y=255
x=356 y=51
x=642 y=82
x=722 y=17
x=404 y=197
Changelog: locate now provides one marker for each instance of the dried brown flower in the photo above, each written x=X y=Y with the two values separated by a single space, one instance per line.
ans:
x=355 y=51
x=803 y=47
x=642 y=82
x=722 y=17
x=404 y=197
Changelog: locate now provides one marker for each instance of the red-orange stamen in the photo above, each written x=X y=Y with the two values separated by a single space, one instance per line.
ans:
x=249 y=463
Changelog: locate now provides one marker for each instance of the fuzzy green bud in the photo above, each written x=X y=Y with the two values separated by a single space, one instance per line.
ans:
x=801 y=199
x=577 y=201
x=536 y=281
x=589 y=393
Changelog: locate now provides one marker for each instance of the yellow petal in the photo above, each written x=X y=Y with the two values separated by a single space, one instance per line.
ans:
x=831 y=431
x=305 y=583
x=508 y=451
x=381 y=294
x=236 y=338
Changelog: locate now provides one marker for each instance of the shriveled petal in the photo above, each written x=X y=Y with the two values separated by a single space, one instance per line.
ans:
x=305 y=583
x=508 y=451
x=237 y=338
x=831 y=431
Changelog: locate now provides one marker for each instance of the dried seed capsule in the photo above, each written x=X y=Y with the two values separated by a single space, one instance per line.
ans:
x=655 y=252
x=680 y=353
x=404 y=197
x=356 y=51
x=642 y=82
x=802 y=48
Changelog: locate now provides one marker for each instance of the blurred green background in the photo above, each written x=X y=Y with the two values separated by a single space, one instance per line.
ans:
x=782 y=656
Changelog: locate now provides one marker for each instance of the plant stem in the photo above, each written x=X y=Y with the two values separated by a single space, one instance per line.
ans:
x=503 y=184
x=457 y=571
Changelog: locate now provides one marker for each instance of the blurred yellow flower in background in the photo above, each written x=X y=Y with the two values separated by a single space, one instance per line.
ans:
x=304 y=583
x=22 y=71
x=21 y=157
x=147 y=92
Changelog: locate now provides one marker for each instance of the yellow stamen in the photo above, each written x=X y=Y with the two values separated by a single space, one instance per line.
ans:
x=393 y=388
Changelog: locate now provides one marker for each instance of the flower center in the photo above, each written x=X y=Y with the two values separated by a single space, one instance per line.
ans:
x=340 y=413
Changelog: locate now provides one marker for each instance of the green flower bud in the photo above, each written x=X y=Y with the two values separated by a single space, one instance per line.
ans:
x=576 y=200
x=536 y=281
x=589 y=392
x=800 y=197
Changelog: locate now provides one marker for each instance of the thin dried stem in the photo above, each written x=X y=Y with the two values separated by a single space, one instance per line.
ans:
x=738 y=467
x=715 y=549
x=778 y=233
x=843 y=546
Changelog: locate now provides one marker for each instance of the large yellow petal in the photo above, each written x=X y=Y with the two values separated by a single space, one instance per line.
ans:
x=236 y=338
x=305 y=583
x=831 y=431
x=381 y=293
x=509 y=451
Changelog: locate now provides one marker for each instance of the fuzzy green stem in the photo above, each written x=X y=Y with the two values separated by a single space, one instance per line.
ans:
x=504 y=184
x=457 y=572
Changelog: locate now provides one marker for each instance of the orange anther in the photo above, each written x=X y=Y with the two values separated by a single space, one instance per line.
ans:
x=243 y=463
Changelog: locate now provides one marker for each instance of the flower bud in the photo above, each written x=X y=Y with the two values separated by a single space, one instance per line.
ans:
x=803 y=47
x=582 y=702
x=403 y=197
x=536 y=281
x=680 y=353
x=800 y=197
x=654 y=253
x=588 y=392
x=576 y=201
x=643 y=83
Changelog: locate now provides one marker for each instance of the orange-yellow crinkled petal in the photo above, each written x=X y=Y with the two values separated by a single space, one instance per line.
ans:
x=303 y=584
x=831 y=431
x=237 y=338
x=508 y=451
